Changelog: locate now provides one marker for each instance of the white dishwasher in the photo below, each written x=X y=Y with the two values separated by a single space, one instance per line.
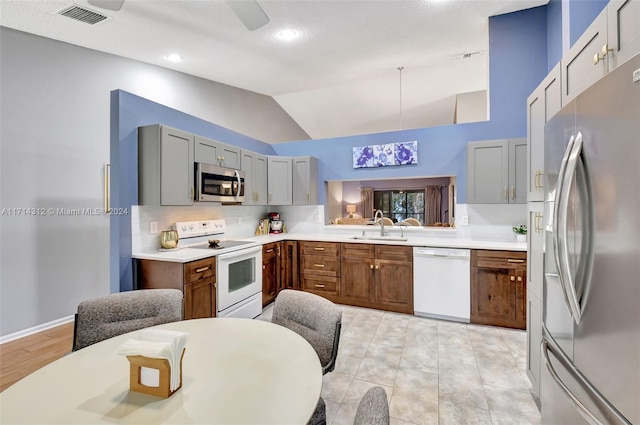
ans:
x=441 y=283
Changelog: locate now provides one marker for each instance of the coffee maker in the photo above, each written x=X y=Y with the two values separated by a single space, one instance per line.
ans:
x=275 y=223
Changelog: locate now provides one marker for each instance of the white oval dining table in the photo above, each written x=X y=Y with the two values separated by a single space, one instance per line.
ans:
x=235 y=371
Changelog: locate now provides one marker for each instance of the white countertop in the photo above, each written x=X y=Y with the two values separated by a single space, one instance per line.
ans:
x=442 y=239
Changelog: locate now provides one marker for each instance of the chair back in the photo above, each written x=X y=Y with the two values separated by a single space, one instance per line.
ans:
x=412 y=221
x=316 y=319
x=373 y=408
x=104 y=317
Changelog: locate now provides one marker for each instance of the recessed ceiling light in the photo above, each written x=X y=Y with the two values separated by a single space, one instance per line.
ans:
x=173 y=58
x=288 y=35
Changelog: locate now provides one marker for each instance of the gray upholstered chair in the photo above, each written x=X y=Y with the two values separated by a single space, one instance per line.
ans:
x=104 y=317
x=314 y=318
x=373 y=408
x=317 y=320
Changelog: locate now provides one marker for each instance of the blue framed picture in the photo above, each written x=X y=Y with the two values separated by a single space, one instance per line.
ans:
x=403 y=153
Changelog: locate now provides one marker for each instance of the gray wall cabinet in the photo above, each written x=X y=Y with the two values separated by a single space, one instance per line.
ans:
x=254 y=166
x=611 y=39
x=165 y=166
x=305 y=180
x=213 y=152
x=497 y=172
x=279 y=180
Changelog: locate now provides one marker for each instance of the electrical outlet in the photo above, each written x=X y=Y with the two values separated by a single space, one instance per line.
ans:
x=153 y=227
x=239 y=221
x=464 y=220
x=318 y=219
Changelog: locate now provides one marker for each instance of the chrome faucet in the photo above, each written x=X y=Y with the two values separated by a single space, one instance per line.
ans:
x=375 y=220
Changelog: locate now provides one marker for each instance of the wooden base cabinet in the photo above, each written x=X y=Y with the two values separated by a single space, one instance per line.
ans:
x=498 y=288
x=196 y=279
x=320 y=268
x=377 y=276
x=270 y=271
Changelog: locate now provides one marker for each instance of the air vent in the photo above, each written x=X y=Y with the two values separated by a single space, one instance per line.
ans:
x=468 y=55
x=82 y=14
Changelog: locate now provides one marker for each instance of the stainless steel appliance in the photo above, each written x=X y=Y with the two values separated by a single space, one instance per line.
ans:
x=591 y=318
x=219 y=184
x=238 y=267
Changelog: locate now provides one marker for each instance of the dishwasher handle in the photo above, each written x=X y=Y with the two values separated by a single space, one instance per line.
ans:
x=441 y=253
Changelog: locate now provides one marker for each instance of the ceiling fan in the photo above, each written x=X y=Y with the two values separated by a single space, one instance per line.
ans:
x=248 y=11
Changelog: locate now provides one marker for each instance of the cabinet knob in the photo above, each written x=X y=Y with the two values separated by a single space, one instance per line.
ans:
x=513 y=278
x=371 y=266
x=377 y=266
x=519 y=278
x=603 y=53
x=506 y=193
x=513 y=192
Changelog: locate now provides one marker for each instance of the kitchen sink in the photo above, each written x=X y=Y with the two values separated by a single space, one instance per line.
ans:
x=381 y=238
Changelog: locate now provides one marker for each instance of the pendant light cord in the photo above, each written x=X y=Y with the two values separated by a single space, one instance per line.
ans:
x=400 y=68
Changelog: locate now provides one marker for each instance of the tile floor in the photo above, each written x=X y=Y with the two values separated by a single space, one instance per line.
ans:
x=434 y=372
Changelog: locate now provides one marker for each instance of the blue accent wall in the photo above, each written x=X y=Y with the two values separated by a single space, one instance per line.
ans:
x=581 y=15
x=517 y=64
x=554 y=33
x=128 y=112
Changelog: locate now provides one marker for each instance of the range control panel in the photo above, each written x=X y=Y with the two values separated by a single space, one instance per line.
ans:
x=192 y=229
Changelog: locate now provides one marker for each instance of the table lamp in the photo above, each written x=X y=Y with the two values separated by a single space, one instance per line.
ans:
x=351 y=209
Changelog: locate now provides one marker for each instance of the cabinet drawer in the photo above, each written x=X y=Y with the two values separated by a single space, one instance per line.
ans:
x=319 y=248
x=319 y=284
x=358 y=250
x=320 y=265
x=269 y=251
x=514 y=260
x=394 y=252
x=200 y=269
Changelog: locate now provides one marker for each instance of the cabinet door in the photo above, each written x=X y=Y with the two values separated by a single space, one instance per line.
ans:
x=247 y=165
x=534 y=338
x=578 y=68
x=518 y=171
x=542 y=105
x=394 y=285
x=279 y=180
x=492 y=296
x=289 y=265
x=199 y=299
x=206 y=151
x=305 y=181
x=260 y=179
x=229 y=156
x=623 y=31
x=357 y=279
x=176 y=168
x=488 y=172
x=535 y=241
x=270 y=272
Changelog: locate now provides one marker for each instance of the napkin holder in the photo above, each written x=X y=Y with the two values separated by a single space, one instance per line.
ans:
x=163 y=390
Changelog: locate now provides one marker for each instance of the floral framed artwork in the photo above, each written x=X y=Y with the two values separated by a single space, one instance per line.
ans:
x=403 y=153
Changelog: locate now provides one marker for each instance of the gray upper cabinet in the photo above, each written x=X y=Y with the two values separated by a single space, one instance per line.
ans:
x=542 y=105
x=165 y=166
x=279 y=180
x=213 y=152
x=611 y=39
x=497 y=172
x=305 y=180
x=623 y=26
x=254 y=166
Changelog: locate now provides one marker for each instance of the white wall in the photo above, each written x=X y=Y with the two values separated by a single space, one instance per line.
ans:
x=471 y=107
x=54 y=136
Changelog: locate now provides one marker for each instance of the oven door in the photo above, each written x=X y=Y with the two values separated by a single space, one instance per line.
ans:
x=219 y=184
x=239 y=276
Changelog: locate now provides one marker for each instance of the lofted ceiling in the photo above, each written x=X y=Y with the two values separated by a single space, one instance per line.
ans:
x=338 y=78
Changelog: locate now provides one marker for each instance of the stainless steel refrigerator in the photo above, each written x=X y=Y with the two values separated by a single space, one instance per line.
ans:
x=591 y=308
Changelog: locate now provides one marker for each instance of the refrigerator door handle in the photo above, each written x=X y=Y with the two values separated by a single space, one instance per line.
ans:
x=558 y=223
x=611 y=412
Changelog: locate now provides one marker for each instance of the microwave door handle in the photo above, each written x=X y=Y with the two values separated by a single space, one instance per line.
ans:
x=559 y=222
x=237 y=188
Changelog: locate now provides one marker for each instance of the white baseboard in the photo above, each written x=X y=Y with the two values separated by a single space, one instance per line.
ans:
x=36 y=329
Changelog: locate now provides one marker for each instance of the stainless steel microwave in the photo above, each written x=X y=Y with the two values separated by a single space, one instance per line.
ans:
x=219 y=184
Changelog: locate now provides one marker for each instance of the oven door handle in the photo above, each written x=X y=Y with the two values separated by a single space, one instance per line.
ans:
x=245 y=252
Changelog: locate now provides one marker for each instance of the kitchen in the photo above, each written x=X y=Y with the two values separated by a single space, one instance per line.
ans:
x=444 y=159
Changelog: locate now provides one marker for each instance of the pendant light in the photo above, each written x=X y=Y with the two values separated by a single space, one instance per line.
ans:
x=400 y=68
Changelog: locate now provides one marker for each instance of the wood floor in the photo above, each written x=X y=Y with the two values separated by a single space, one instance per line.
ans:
x=23 y=356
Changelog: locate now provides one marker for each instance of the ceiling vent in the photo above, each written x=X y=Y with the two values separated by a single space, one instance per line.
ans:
x=82 y=14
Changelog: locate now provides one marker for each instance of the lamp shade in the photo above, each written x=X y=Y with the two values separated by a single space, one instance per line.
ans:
x=351 y=209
